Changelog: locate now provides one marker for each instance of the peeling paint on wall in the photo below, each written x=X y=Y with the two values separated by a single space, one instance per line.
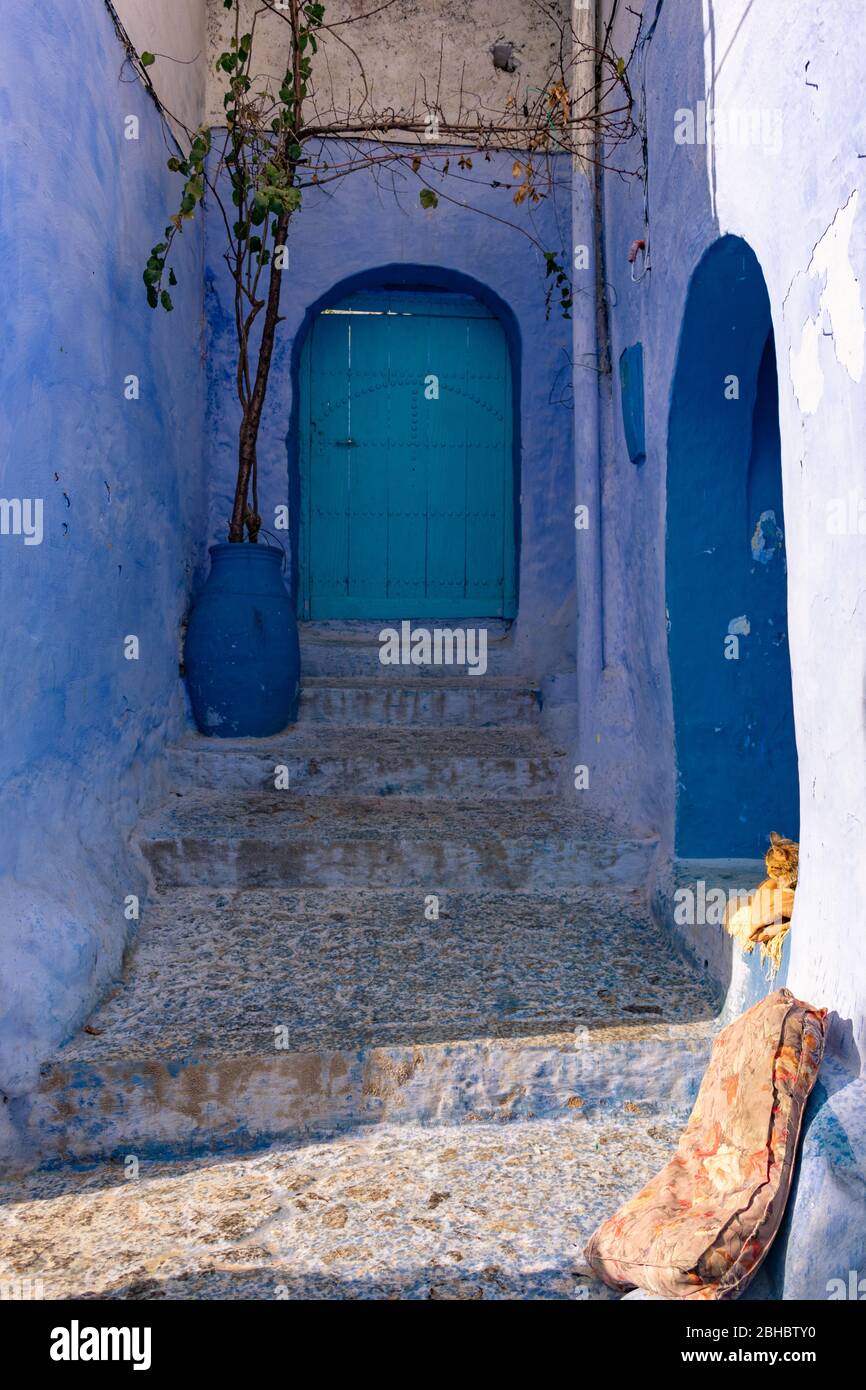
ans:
x=839 y=315
x=766 y=538
x=807 y=377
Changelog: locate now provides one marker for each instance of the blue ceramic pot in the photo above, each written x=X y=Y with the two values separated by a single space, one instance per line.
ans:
x=242 y=658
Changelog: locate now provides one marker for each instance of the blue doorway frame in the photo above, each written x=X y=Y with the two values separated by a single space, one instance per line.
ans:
x=726 y=569
x=411 y=279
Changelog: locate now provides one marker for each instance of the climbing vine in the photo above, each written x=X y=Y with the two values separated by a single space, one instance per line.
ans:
x=281 y=136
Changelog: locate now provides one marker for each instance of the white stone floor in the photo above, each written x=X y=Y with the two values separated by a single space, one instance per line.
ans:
x=476 y=1211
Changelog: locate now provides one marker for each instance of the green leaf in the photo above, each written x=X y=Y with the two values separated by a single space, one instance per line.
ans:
x=172 y=278
x=428 y=198
x=255 y=244
x=147 y=59
x=165 y=301
x=152 y=297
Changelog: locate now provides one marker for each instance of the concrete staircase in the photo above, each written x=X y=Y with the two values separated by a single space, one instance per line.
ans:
x=419 y=939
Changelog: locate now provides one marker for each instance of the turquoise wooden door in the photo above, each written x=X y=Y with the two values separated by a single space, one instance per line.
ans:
x=407 y=479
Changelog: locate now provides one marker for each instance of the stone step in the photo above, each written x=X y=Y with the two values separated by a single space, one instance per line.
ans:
x=256 y=839
x=356 y=968
x=354 y=650
x=480 y=1211
x=242 y=1017
x=464 y=764
x=417 y=702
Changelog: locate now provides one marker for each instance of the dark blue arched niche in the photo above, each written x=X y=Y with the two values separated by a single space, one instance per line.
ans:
x=399 y=275
x=726 y=571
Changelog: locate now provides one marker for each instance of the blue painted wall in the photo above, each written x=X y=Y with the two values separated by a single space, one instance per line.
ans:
x=804 y=219
x=355 y=233
x=726 y=582
x=124 y=512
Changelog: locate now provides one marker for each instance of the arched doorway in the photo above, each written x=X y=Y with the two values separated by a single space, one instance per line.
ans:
x=406 y=459
x=726 y=569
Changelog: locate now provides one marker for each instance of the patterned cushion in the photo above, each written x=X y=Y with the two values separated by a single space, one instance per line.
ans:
x=702 y=1226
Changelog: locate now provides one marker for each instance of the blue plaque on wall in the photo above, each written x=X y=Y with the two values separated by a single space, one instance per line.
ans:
x=631 y=390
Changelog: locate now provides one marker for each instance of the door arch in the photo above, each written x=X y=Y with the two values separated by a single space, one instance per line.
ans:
x=726 y=569
x=406 y=459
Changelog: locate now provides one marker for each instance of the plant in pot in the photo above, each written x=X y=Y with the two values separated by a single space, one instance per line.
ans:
x=282 y=136
x=241 y=655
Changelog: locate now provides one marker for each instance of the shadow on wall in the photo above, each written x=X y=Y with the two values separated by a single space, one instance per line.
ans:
x=726 y=573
